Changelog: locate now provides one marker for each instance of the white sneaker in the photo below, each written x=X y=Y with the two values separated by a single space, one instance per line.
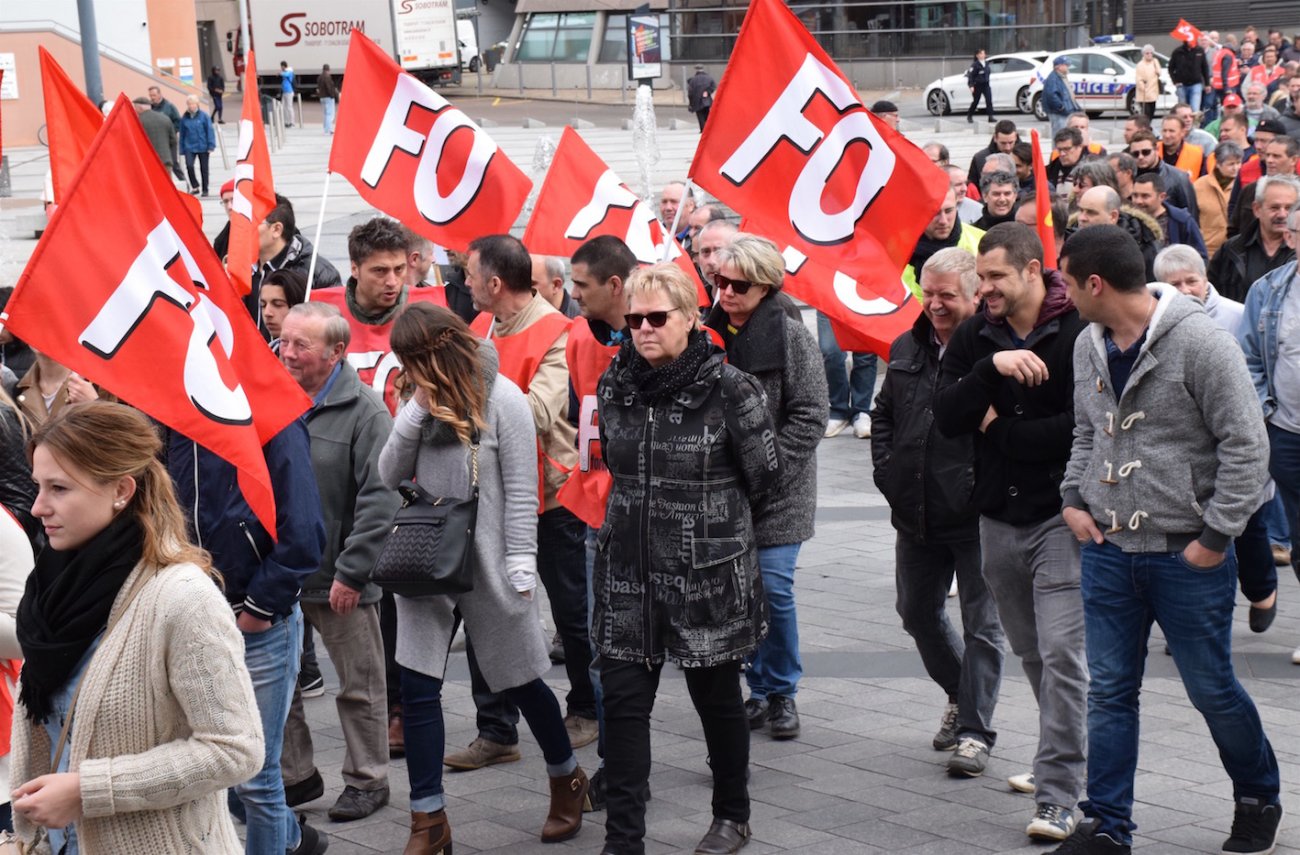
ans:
x=1295 y=656
x=835 y=427
x=1023 y=783
x=862 y=426
x=952 y=589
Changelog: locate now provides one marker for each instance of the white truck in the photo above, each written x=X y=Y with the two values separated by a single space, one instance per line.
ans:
x=308 y=34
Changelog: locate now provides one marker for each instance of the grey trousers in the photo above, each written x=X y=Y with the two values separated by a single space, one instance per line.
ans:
x=357 y=651
x=1033 y=574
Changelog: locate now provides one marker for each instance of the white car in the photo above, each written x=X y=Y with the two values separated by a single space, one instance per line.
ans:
x=1104 y=79
x=1009 y=78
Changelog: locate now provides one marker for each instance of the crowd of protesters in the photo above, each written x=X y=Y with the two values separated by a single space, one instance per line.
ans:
x=1075 y=453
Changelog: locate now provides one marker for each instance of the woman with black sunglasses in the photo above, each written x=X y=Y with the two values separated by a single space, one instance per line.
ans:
x=688 y=440
x=764 y=341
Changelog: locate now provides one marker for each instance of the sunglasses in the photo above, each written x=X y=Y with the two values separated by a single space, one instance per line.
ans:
x=739 y=287
x=1142 y=152
x=655 y=319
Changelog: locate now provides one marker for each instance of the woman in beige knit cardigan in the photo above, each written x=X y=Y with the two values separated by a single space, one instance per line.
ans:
x=124 y=632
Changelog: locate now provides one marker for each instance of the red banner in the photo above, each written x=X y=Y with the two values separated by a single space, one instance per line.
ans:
x=71 y=122
x=417 y=158
x=1185 y=32
x=1043 y=205
x=154 y=320
x=254 y=187
x=790 y=144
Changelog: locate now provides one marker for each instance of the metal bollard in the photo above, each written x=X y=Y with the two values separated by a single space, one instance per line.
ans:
x=588 y=67
x=221 y=143
x=6 y=188
x=554 y=93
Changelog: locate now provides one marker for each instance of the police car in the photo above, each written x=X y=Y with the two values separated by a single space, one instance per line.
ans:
x=1104 y=79
x=1009 y=77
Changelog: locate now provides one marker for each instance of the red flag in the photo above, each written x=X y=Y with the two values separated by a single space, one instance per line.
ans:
x=2 y=137
x=583 y=198
x=71 y=122
x=1185 y=32
x=1043 y=205
x=789 y=143
x=254 y=187
x=417 y=158
x=154 y=320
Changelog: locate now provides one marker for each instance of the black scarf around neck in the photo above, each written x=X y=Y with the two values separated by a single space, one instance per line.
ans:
x=653 y=384
x=66 y=605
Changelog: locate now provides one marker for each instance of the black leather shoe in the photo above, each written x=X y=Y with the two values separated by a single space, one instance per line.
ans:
x=354 y=803
x=306 y=790
x=313 y=842
x=596 y=792
x=723 y=837
x=782 y=717
x=756 y=710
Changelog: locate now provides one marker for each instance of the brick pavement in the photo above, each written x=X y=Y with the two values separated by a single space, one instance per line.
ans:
x=862 y=778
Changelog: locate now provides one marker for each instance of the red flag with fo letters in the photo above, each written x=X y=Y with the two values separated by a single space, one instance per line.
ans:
x=1185 y=32
x=154 y=320
x=417 y=158
x=254 y=187
x=583 y=198
x=790 y=144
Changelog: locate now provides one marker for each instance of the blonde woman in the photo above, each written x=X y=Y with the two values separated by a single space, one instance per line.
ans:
x=131 y=651
x=459 y=400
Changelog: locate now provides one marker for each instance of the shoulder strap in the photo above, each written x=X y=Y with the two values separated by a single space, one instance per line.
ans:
x=76 y=693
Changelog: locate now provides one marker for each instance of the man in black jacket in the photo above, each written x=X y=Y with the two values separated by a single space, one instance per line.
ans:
x=1262 y=247
x=927 y=479
x=1005 y=137
x=1007 y=380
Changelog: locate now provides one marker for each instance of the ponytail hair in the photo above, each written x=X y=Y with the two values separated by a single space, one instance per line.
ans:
x=109 y=441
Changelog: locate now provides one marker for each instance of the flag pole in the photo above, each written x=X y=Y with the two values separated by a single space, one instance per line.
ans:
x=315 y=247
x=677 y=215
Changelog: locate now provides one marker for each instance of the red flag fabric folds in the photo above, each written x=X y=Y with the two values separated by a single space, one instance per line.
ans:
x=790 y=145
x=1043 y=206
x=254 y=187
x=1185 y=32
x=71 y=122
x=583 y=198
x=154 y=320
x=417 y=158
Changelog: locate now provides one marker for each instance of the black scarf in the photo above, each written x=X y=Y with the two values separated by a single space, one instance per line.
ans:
x=66 y=605
x=653 y=384
x=928 y=246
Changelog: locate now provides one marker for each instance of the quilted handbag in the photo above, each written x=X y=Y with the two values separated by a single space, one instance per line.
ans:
x=430 y=547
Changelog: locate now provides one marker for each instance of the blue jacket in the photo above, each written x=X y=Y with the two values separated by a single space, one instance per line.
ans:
x=262 y=576
x=1057 y=97
x=1181 y=228
x=197 y=134
x=1259 y=329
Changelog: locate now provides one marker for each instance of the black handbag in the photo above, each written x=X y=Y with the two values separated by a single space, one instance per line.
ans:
x=430 y=547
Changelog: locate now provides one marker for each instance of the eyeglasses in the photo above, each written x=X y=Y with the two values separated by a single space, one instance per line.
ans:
x=226 y=203
x=1142 y=152
x=655 y=319
x=739 y=287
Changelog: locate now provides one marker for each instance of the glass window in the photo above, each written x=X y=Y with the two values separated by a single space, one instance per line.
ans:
x=559 y=38
x=1014 y=64
x=1102 y=65
x=614 y=47
x=538 y=38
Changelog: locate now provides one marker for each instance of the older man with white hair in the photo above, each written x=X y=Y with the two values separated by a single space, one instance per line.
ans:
x=198 y=139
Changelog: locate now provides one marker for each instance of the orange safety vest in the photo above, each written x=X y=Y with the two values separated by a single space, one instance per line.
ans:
x=1234 y=71
x=586 y=493
x=519 y=356
x=370 y=352
x=1191 y=159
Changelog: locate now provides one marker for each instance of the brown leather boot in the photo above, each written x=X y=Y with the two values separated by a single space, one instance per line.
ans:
x=430 y=834
x=568 y=798
x=396 y=737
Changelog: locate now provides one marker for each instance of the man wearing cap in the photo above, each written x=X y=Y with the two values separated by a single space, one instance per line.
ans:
x=1058 y=96
x=1231 y=105
x=699 y=95
x=221 y=243
x=887 y=112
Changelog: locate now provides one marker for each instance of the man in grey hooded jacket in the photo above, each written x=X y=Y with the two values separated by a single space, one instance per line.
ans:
x=1168 y=463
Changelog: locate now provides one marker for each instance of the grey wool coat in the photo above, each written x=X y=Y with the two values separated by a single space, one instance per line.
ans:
x=503 y=625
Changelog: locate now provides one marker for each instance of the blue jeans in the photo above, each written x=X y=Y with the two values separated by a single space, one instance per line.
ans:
x=1279 y=531
x=1123 y=594
x=426 y=735
x=775 y=668
x=272 y=658
x=850 y=392
x=1256 y=571
x=327 y=106
x=1191 y=94
x=1057 y=121
x=1284 y=466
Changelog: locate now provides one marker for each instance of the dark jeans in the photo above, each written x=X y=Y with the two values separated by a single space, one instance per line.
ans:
x=1123 y=594
x=1284 y=466
x=1149 y=109
x=629 y=689
x=562 y=567
x=850 y=392
x=426 y=734
x=203 y=169
x=986 y=91
x=967 y=667
x=1256 y=572
x=388 y=632
x=217 y=107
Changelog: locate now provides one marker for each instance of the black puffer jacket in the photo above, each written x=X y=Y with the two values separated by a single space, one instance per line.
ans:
x=676 y=571
x=1020 y=459
x=927 y=478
